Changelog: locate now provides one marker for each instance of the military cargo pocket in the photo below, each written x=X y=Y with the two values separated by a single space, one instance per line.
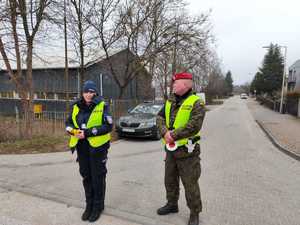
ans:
x=190 y=167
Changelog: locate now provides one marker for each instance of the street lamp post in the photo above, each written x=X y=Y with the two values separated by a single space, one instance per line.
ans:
x=283 y=76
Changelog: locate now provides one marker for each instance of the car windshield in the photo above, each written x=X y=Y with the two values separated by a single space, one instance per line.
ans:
x=145 y=108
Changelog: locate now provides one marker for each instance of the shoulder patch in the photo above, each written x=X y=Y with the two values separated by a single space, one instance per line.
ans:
x=94 y=131
x=109 y=119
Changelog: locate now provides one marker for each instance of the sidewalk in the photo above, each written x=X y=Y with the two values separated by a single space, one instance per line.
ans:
x=22 y=209
x=282 y=129
x=21 y=205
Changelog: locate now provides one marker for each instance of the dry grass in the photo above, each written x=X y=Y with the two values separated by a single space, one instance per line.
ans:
x=48 y=136
x=12 y=131
x=40 y=144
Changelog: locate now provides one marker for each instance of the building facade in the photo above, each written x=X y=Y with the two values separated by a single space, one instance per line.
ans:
x=50 y=85
x=294 y=77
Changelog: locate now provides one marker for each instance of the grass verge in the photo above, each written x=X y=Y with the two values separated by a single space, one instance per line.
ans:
x=40 y=144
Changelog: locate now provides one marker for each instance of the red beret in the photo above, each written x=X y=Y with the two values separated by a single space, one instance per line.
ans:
x=183 y=75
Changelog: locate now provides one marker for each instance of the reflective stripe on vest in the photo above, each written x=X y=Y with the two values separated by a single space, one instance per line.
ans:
x=182 y=117
x=94 y=120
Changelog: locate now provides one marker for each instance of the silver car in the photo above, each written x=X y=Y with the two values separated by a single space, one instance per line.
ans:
x=140 y=122
x=243 y=96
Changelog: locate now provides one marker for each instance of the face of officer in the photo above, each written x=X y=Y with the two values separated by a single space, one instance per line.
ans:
x=180 y=87
x=88 y=96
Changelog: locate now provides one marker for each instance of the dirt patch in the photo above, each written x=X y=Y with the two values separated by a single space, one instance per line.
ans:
x=39 y=144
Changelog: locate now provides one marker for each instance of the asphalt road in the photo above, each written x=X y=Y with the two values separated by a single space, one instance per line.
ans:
x=244 y=181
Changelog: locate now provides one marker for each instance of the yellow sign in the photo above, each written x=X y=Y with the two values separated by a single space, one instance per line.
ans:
x=37 y=108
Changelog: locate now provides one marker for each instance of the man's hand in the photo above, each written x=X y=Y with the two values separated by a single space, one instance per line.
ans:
x=168 y=137
x=80 y=134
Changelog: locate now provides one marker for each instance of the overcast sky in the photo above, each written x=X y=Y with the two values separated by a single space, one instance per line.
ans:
x=242 y=27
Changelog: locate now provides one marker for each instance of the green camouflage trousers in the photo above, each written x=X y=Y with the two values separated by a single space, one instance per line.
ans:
x=185 y=166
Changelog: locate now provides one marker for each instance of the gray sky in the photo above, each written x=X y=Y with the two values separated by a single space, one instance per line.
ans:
x=242 y=27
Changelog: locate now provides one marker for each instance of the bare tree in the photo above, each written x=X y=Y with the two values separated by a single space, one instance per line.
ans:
x=136 y=27
x=20 y=21
x=190 y=52
x=152 y=31
x=216 y=86
x=81 y=32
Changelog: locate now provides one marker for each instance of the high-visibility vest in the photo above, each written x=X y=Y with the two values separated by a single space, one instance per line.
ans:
x=182 y=117
x=94 y=120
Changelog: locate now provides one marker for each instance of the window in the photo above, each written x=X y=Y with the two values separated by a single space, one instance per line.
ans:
x=40 y=95
x=6 y=94
x=61 y=95
x=73 y=96
x=50 y=95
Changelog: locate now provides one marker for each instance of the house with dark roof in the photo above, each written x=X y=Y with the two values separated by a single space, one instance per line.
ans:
x=49 y=84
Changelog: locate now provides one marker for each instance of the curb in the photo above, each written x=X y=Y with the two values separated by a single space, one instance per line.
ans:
x=276 y=143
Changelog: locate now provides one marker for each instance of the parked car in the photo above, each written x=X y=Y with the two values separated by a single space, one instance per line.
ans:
x=140 y=121
x=243 y=96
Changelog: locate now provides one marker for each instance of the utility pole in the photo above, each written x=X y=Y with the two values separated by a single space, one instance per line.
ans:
x=283 y=79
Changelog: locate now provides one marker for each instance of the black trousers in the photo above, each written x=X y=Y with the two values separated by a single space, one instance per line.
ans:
x=92 y=168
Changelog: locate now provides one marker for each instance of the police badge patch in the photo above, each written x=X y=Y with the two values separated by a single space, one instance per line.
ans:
x=109 y=119
x=94 y=131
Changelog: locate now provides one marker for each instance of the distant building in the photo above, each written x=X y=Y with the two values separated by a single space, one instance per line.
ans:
x=294 y=77
x=49 y=84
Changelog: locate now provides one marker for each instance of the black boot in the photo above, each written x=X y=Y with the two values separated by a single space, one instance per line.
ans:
x=194 y=219
x=96 y=212
x=168 y=208
x=87 y=212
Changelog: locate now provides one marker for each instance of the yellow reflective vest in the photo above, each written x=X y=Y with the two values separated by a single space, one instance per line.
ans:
x=182 y=117
x=95 y=119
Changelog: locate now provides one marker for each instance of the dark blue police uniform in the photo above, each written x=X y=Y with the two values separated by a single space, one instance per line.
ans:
x=92 y=161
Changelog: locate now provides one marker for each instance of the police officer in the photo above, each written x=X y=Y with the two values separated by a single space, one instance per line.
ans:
x=89 y=125
x=180 y=121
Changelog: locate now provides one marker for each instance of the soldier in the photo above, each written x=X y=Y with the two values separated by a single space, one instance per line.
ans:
x=180 y=121
x=89 y=126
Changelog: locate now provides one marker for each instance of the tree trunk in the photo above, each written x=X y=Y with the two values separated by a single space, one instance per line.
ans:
x=122 y=91
x=29 y=106
x=81 y=57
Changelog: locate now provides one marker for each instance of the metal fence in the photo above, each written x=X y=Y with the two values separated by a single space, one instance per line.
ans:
x=120 y=107
x=44 y=124
x=51 y=122
x=271 y=104
x=292 y=105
